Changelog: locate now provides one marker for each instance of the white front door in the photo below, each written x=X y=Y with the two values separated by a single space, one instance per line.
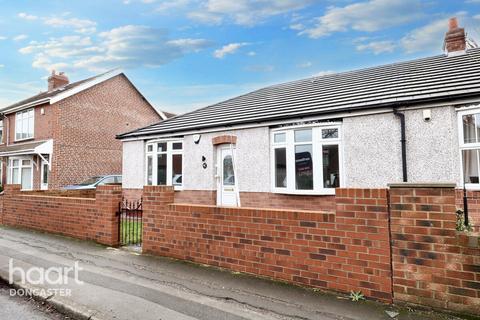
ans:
x=226 y=190
x=44 y=173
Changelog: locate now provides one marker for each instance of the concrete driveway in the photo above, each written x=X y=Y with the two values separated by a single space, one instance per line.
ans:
x=123 y=285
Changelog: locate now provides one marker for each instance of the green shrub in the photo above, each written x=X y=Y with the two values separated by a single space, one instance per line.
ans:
x=461 y=222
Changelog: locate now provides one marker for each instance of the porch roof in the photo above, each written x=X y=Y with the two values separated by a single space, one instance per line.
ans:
x=37 y=147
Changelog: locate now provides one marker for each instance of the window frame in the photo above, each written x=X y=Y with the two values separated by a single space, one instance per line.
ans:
x=2 y=130
x=20 y=169
x=169 y=153
x=472 y=110
x=317 y=145
x=17 y=114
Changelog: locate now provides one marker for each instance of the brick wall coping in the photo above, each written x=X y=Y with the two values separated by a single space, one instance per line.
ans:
x=53 y=197
x=422 y=185
x=185 y=205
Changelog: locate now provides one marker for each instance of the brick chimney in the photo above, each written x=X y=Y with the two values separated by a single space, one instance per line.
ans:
x=57 y=80
x=455 y=39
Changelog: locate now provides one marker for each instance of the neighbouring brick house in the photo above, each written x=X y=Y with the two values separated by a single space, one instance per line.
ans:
x=67 y=134
x=290 y=145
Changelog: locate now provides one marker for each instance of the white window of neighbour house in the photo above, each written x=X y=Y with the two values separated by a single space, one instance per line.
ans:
x=469 y=141
x=164 y=163
x=20 y=171
x=306 y=160
x=24 y=124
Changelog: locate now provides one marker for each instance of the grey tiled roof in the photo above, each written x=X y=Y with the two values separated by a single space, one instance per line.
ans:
x=434 y=78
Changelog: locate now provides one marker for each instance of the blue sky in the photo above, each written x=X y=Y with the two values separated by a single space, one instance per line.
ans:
x=185 y=54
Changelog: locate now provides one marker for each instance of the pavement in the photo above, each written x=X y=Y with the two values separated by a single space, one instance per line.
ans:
x=121 y=284
x=21 y=308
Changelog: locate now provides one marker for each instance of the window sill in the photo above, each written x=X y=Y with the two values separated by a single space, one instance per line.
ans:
x=23 y=140
x=322 y=192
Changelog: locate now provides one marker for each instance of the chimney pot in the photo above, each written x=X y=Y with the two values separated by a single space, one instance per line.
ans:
x=57 y=80
x=452 y=23
x=455 y=38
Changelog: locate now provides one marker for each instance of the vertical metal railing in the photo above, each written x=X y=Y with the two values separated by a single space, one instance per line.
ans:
x=130 y=222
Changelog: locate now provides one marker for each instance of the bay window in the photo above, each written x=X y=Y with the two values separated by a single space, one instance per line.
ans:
x=469 y=127
x=306 y=160
x=164 y=163
x=24 y=124
x=21 y=172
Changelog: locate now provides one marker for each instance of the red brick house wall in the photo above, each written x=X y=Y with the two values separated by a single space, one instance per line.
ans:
x=84 y=127
x=87 y=123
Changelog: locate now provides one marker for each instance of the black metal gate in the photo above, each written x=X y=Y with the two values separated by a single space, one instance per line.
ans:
x=130 y=224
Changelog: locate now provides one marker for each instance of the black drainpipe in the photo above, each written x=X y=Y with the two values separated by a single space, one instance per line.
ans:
x=401 y=116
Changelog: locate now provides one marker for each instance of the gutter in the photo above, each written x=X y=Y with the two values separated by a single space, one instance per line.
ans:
x=403 y=140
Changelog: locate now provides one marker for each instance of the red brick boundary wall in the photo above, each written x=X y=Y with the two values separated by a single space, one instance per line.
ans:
x=346 y=251
x=82 y=218
x=433 y=264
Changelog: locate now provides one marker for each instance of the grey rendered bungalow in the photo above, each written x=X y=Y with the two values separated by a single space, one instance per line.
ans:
x=284 y=145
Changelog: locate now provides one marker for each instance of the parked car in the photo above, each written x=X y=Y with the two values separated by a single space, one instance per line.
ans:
x=93 y=182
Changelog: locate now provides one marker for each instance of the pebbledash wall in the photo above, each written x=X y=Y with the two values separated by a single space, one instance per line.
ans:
x=371 y=150
x=75 y=214
x=408 y=230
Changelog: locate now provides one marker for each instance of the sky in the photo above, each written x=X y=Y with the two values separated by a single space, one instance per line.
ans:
x=186 y=54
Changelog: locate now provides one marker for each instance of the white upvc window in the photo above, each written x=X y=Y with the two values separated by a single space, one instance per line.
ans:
x=24 y=124
x=164 y=163
x=20 y=171
x=306 y=159
x=469 y=142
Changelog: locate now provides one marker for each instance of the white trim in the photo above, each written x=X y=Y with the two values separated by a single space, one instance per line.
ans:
x=20 y=130
x=317 y=144
x=467 y=110
x=169 y=154
x=333 y=115
x=27 y=105
x=44 y=148
x=44 y=186
x=68 y=93
x=20 y=169
x=161 y=114
x=84 y=86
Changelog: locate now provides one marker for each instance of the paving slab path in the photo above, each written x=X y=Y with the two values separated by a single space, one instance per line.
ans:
x=119 y=284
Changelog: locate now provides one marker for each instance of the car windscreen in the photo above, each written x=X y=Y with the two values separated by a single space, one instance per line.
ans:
x=90 y=181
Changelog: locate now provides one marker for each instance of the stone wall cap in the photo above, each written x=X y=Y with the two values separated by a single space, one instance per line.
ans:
x=422 y=185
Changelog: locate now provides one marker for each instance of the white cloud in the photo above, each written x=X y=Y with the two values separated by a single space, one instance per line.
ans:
x=323 y=73
x=20 y=37
x=430 y=37
x=2 y=65
x=366 y=16
x=27 y=16
x=260 y=68
x=377 y=47
x=243 y=12
x=3 y=38
x=251 y=54
x=306 y=64
x=128 y=46
x=297 y=26
x=228 y=49
x=80 y=25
